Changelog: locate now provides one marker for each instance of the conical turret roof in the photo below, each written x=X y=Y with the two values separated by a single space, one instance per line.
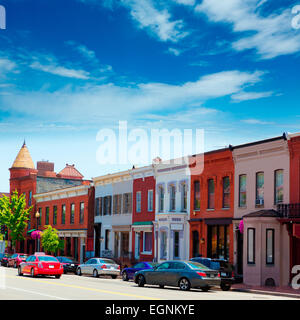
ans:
x=23 y=159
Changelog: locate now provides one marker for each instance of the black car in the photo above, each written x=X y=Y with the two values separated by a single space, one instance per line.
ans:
x=4 y=260
x=223 y=266
x=69 y=264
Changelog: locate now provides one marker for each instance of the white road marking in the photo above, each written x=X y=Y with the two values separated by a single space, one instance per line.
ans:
x=35 y=292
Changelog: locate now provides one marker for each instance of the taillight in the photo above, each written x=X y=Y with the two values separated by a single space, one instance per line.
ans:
x=202 y=274
x=232 y=274
x=119 y=267
x=103 y=266
x=219 y=276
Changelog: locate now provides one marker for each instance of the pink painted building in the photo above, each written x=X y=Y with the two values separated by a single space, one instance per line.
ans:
x=262 y=171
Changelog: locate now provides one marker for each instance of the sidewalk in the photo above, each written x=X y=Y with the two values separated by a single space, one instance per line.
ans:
x=277 y=291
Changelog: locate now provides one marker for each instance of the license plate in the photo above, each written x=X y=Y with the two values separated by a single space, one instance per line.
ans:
x=223 y=274
x=72 y=265
x=51 y=267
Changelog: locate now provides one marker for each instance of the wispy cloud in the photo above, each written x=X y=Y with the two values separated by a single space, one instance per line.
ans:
x=243 y=96
x=174 y=51
x=6 y=66
x=271 y=36
x=257 y=121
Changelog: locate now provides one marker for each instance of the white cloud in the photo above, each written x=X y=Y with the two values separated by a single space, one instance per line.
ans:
x=243 y=96
x=186 y=2
x=256 y=121
x=174 y=51
x=273 y=35
x=156 y=21
x=6 y=66
x=83 y=50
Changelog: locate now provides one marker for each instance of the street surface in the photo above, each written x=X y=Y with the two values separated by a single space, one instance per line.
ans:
x=72 y=287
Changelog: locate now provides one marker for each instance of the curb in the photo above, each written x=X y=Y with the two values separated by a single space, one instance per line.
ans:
x=271 y=293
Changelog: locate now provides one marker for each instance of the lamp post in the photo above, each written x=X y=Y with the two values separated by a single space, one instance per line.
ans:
x=37 y=215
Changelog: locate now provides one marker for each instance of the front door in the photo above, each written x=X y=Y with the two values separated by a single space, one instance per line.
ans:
x=239 y=252
x=137 y=245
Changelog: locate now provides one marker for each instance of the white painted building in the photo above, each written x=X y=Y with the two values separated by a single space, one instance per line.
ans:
x=172 y=211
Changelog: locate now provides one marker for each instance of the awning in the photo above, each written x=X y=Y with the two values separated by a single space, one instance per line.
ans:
x=29 y=232
x=142 y=226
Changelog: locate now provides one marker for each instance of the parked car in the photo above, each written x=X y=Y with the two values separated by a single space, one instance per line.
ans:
x=182 y=274
x=4 y=260
x=128 y=273
x=16 y=259
x=41 y=265
x=221 y=265
x=99 y=266
x=69 y=264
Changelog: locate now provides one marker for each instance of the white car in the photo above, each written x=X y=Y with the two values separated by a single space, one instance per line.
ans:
x=99 y=266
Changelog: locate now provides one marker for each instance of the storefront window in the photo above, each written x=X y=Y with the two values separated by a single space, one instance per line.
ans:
x=218 y=242
x=147 y=242
x=270 y=246
x=107 y=236
x=278 y=186
x=251 y=246
x=242 y=190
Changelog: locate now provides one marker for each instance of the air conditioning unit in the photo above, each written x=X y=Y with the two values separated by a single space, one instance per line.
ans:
x=259 y=202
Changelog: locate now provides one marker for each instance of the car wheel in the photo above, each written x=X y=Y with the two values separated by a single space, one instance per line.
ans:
x=205 y=289
x=57 y=276
x=125 y=276
x=141 y=281
x=65 y=272
x=95 y=273
x=114 y=277
x=78 y=272
x=32 y=272
x=161 y=286
x=19 y=271
x=225 y=287
x=184 y=284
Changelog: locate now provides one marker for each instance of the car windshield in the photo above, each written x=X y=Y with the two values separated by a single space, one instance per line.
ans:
x=108 y=261
x=152 y=264
x=197 y=265
x=23 y=256
x=47 y=259
x=215 y=265
x=66 y=260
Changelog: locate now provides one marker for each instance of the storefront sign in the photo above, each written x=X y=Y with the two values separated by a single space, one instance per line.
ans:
x=176 y=226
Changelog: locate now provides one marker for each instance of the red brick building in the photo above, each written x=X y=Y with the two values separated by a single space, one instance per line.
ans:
x=71 y=212
x=143 y=213
x=27 y=179
x=212 y=205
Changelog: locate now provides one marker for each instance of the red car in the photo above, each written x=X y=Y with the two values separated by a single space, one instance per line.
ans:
x=41 y=265
x=16 y=259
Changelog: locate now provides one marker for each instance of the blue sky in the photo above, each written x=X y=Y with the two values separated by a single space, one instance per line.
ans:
x=70 y=68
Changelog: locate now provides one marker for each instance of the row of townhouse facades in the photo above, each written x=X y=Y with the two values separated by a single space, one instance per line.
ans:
x=240 y=203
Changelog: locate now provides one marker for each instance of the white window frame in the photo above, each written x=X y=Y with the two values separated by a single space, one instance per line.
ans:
x=150 y=200
x=144 y=237
x=139 y=202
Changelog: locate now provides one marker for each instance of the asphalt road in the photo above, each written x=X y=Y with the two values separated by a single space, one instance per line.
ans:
x=72 y=287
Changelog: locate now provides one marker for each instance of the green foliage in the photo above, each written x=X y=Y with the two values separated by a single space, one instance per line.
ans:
x=14 y=214
x=50 y=240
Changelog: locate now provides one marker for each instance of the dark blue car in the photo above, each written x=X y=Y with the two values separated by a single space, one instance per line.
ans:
x=128 y=273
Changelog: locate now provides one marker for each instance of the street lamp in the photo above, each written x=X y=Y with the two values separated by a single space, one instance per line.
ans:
x=37 y=215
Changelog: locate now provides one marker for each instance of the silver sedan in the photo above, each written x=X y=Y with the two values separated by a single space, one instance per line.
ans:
x=99 y=266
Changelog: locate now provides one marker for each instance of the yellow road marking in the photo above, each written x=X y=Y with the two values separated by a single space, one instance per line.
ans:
x=87 y=288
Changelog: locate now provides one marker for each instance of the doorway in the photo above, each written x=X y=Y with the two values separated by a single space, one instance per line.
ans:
x=196 y=252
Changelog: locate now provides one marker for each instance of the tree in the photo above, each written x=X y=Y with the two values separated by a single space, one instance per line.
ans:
x=50 y=240
x=14 y=215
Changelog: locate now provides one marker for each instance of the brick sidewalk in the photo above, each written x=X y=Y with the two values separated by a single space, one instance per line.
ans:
x=278 y=291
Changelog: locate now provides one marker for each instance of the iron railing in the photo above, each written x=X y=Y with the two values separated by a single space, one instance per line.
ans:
x=290 y=211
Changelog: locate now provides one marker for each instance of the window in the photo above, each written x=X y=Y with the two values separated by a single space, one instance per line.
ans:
x=183 y=197
x=270 y=246
x=211 y=194
x=107 y=205
x=127 y=203
x=251 y=246
x=196 y=195
x=54 y=215
x=150 y=200
x=242 y=190
x=117 y=205
x=98 y=211
x=260 y=188
x=278 y=186
x=81 y=215
x=176 y=244
x=173 y=198
x=147 y=242
x=138 y=201
x=161 y=196
x=72 y=213
x=63 y=214
x=163 y=247
x=226 y=192
x=107 y=236
x=30 y=198
x=47 y=216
